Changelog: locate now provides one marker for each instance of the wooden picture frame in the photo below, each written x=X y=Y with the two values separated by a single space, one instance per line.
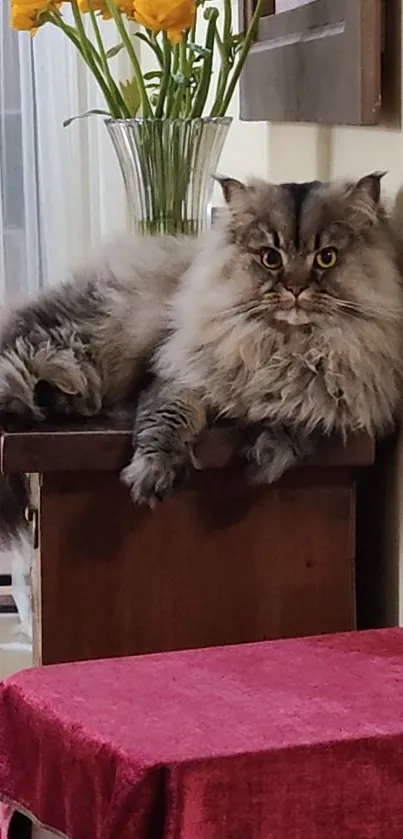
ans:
x=319 y=62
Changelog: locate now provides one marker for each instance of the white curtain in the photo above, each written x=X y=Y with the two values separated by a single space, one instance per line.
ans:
x=20 y=258
x=60 y=188
x=81 y=189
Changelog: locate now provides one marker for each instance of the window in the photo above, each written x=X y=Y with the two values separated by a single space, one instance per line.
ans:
x=12 y=189
x=315 y=61
x=19 y=268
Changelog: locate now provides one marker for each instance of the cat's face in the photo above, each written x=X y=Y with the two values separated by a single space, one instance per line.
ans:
x=314 y=251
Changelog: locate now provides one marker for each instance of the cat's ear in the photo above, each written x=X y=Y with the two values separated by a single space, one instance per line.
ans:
x=369 y=187
x=231 y=188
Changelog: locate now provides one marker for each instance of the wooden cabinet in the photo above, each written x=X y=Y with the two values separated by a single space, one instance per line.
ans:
x=319 y=61
x=220 y=563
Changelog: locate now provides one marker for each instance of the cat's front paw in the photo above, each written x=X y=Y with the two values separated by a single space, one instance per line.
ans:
x=17 y=405
x=266 y=473
x=269 y=457
x=151 y=477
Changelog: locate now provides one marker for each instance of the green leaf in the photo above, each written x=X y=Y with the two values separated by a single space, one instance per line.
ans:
x=114 y=50
x=143 y=37
x=131 y=94
x=153 y=74
x=153 y=44
x=68 y=122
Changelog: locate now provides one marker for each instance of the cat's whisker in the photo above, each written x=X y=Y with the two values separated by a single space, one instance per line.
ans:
x=366 y=310
x=243 y=309
x=233 y=310
x=324 y=303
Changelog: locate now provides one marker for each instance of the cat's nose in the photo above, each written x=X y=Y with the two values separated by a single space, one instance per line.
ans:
x=295 y=288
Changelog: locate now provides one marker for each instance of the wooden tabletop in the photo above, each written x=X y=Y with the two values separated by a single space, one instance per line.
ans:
x=105 y=444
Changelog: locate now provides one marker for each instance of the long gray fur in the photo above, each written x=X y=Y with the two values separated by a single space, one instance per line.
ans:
x=291 y=354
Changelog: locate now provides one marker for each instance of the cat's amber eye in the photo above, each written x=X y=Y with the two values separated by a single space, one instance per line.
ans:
x=326 y=258
x=271 y=258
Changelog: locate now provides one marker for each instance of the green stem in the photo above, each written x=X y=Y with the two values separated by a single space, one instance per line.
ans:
x=225 y=70
x=145 y=102
x=224 y=47
x=183 y=67
x=227 y=21
x=192 y=35
x=71 y=33
x=176 y=58
x=250 y=34
x=156 y=46
x=159 y=110
x=152 y=44
x=87 y=52
x=205 y=78
x=120 y=102
x=171 y=86
x=188 y=100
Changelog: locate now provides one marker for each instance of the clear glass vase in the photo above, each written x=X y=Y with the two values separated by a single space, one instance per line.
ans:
x=167 y=167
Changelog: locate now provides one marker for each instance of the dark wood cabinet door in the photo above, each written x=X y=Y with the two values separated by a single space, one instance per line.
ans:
x=314 y=61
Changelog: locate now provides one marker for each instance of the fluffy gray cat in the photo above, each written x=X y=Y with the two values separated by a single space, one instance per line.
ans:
x=286 y=318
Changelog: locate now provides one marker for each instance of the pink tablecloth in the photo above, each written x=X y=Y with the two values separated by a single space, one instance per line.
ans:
x=284 y=740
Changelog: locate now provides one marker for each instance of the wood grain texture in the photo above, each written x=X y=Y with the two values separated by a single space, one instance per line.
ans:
x=107 y=445
x=215 y=565
x=219 y=563
x=370 y=29
x=319 y=62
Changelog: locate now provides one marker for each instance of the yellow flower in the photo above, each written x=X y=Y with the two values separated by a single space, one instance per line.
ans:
x=172 y=16
x=101 y=6
x=96 y=5
x=126 y=6
x=25 y=16
x=30 y=14
x=22 y=18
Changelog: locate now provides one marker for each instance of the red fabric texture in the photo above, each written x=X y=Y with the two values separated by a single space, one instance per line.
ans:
x=296 y=739
x=6 y=813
